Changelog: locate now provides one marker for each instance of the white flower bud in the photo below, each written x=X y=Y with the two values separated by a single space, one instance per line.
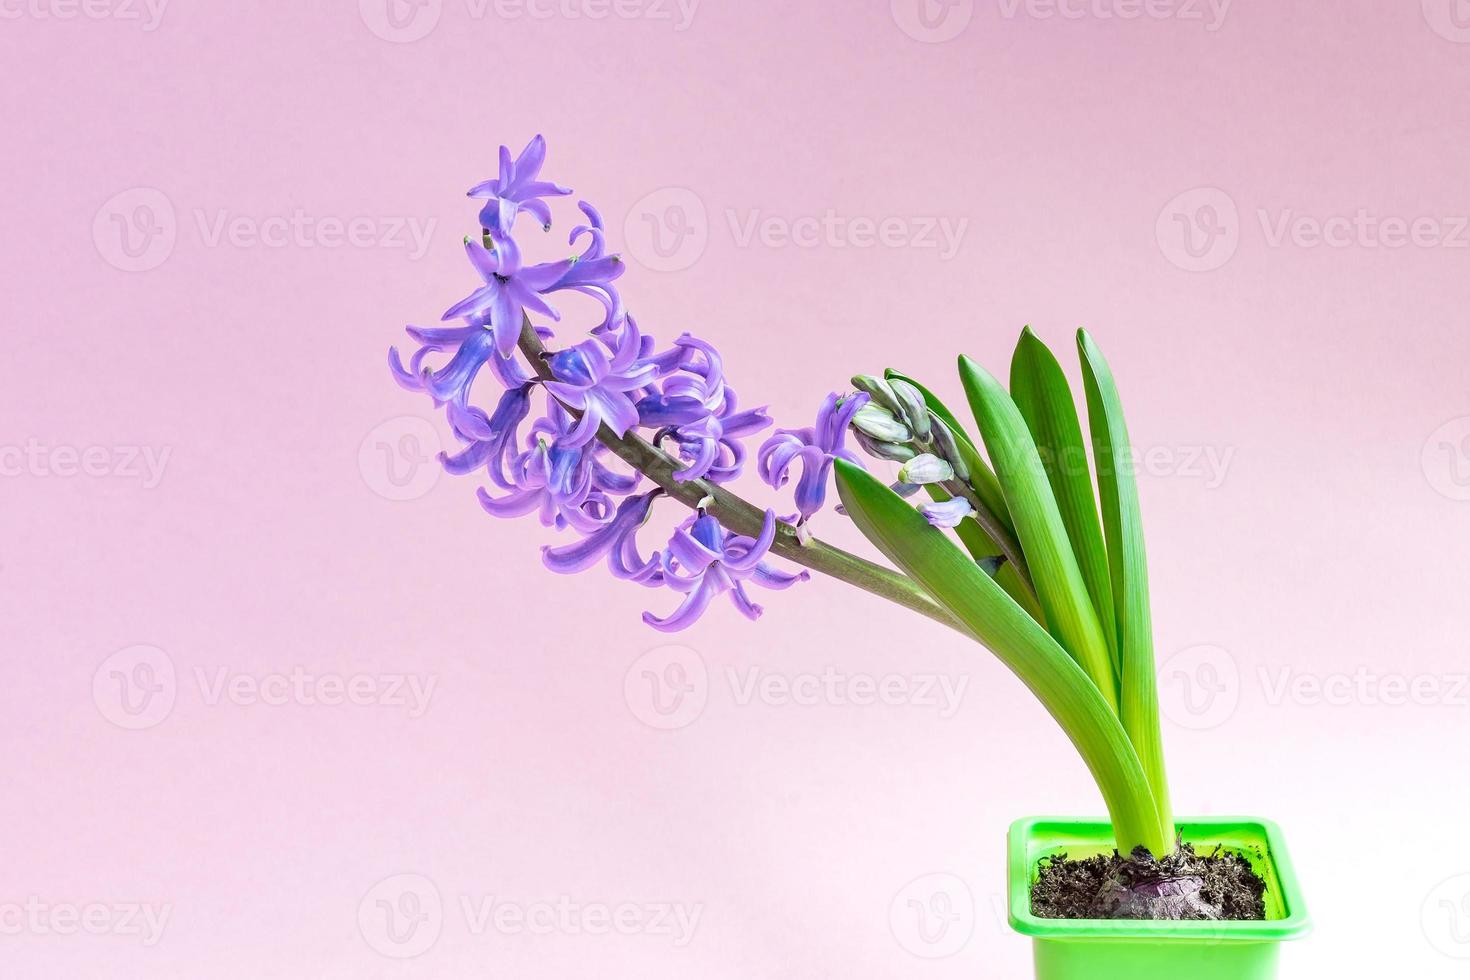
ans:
x=880 y=424
x=913 y=409
x=925 y=468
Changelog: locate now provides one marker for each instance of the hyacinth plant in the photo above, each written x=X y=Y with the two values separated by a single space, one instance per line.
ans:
x=1011 y=546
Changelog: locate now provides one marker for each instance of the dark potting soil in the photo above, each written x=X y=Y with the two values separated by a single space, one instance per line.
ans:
x=1184 y=885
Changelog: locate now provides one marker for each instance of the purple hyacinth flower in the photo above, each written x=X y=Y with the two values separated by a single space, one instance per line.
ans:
x=510 y=289
x=491 y=438
x=516 y=189
x=593 y=272
x=617 y=540
x=947 y=513
x=597 y=383
x=568 y=485
x=712 y=444
x=473 y=348
x=704 y=561
x=815 y=447
x=697 y=391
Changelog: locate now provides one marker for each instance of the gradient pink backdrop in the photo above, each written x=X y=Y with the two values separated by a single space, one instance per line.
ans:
x=1327 y=381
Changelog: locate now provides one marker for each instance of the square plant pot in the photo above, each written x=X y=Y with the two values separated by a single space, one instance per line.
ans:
x=1099 y=949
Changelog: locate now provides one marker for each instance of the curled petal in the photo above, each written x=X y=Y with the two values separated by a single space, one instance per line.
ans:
x=514 y=504
x=758 y=548
x=689 y=611
x=742 y=602
x=585 y=553
x=770 y=578
x=947 y=513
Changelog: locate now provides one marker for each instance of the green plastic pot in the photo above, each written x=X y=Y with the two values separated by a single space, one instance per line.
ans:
x=1099 y=949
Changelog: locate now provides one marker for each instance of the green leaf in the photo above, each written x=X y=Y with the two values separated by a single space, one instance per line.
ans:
x=1123 y=526
x=1059 y=584
x=928 y=556
x=1042 y=394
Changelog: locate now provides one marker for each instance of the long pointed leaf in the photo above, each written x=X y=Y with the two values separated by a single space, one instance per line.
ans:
x=1123 y=526
x=1054 y=571
x=1042 y=394
x=929 y=557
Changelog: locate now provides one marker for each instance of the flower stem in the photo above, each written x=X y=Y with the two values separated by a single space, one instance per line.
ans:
x=741 y=516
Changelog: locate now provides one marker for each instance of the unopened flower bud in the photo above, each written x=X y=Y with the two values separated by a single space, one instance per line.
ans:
x=947 y=513
x=944 y=441
x=991 y=566
x=880 y=424
x=912 y=408
x=878 y=390
x=884 y=450
x=925 y=468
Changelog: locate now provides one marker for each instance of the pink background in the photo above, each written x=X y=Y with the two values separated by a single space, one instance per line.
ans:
x=1332 y=378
